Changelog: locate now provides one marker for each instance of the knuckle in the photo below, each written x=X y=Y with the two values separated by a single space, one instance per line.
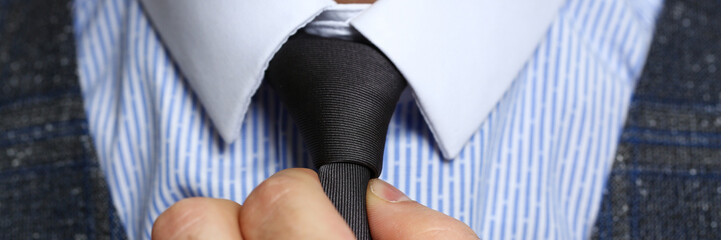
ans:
x=287 y=180
x=190 y=203
x=443 y=228
x=275 y=190
x=181 y=219
x=270 y=189
x=304 y=174
x=451 y=232
x=433 y=233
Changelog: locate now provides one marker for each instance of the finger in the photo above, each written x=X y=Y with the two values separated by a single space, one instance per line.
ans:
x=392 y=215
x=292 y=205
x=199 y=218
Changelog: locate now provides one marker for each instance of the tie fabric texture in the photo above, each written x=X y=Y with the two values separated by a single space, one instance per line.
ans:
x=666 y=178
x=341 y=95
x=51 y=186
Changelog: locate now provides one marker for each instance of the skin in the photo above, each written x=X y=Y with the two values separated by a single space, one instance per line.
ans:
x=292 y=205
x=354 y=1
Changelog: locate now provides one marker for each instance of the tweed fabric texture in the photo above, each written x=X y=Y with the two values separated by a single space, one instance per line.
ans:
x=666 y=179
x=51 y=186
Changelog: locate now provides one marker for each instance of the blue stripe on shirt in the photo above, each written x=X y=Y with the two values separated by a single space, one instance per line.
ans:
x=534 y=170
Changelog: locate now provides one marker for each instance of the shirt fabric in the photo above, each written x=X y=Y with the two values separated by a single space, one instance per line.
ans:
x=476 y=49
x=534 y=170
x=334 y=22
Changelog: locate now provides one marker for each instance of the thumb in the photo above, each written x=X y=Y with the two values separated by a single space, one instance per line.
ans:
x=392 y=215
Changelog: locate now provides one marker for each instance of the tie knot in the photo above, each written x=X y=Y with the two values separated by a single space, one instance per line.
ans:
x=341 y=95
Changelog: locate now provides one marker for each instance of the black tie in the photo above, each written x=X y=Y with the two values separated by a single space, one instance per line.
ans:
x=341 y=95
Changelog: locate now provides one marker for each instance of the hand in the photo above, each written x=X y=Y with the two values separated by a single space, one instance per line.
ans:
x=354 y=1
x=292 y=205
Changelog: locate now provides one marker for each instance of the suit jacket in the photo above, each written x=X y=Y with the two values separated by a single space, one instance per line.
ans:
x=664 y=184
x=51 y=186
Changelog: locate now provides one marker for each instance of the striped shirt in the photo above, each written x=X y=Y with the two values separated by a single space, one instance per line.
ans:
x=534 y=170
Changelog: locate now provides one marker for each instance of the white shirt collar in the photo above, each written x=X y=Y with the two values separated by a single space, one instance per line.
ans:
x=458 y=56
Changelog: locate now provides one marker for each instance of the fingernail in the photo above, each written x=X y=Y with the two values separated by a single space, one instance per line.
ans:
x=386 y=191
